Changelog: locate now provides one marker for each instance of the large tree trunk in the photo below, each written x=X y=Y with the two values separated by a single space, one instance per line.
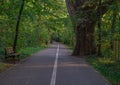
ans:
x=85 y=39
x=84 y=28
x=84 y=17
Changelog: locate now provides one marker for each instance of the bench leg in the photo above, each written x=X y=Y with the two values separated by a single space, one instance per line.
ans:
x=5 y=58
x=18 y=58
x=14 y=59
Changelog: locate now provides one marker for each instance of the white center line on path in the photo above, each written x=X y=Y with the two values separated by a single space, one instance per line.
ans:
x=53 y=79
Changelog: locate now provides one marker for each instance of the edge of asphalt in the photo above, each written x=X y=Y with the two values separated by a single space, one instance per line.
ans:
x=21 y=61
x=95 y=70
x=98 y=72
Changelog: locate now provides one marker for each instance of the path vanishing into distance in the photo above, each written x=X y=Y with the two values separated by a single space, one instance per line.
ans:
x=52 y=66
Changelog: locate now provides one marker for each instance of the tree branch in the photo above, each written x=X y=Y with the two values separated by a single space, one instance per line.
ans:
x=105 y=6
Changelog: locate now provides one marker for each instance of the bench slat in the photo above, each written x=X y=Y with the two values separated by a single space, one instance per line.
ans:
x=10 y=53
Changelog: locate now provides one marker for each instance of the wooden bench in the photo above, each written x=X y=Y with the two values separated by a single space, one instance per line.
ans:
x=9 y=53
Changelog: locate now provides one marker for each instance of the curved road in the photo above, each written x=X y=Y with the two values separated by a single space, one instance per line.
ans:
x=52 y=66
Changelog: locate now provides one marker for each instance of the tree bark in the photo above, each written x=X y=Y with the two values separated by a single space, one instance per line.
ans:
x=99 y=29
x=113 y=26
x=85 y=39
x=84 y=17
x=17 y=26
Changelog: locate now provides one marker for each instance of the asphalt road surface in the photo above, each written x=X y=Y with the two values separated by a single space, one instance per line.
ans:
x=53 y=66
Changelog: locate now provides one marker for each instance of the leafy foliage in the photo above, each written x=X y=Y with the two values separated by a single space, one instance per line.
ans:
x=109 y=68
x=44 y=20
x=40 y=20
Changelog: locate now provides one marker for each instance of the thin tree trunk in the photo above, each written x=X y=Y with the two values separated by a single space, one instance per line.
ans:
x=17 y=26
x=99 y=28
x=113 y=28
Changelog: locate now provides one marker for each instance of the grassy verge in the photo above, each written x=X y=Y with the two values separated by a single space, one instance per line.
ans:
x=24 y=52
x=4 y=66
x=108 y=68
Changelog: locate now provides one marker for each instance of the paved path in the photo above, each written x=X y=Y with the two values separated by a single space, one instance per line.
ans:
x=52 y=66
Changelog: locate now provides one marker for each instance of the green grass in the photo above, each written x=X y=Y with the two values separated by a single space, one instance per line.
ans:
x=25 y=52
x=108 y=68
